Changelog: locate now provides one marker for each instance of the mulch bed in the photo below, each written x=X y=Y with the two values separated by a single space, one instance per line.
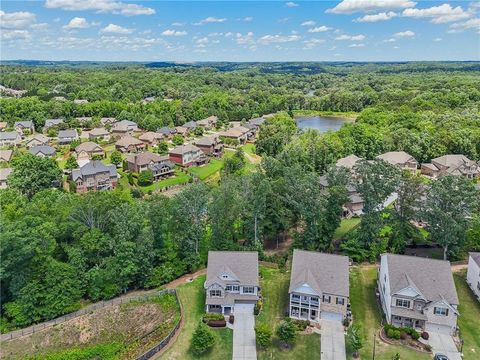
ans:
x=409 y=342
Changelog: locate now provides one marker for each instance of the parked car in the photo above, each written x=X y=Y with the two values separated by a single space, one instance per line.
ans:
x=440 y=357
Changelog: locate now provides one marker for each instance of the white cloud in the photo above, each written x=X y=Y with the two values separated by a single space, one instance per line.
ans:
x=202 y=42
x=248 y=19
x=311 y=43
x=228 y=34
x=356 y=45
x=77 y=23
x=270 y=39
x=40 y=26
x=178 y=24
x=439 y=14
x=291 y=4
x=437 y=39
x=353 y=6
x=383 y=16
x=390 y=40
x=210 y=20
x=116 y=29
x=308 y=23
x=350 y=37
x=318 y=29
x=104 y=6
x=16 y=20
x=407 y=33
x=244 y=39
x=11 y=35
x=170 y=32
x=469 y=24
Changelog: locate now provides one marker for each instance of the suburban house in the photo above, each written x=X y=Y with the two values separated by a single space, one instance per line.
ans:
x=123 y=128
x=238 y=133
x=37 y=140
x=10 y=138
x=129 y=144
x=4 y=172
x=108 y=121
x=418 y=292
x=209 y=122
x=190 y=125
x=232 y=281
x=348 y=162
x=400 y=159
x=43 y=151
x=181 y=130
x=161 y=166
x=257 y=122
x=88 y=149
x=83 y=120
x=187 y=155
x=22 y=126
x=151 y=138
x=354 y=205
x=319 y=286
x=473 y=273
x=99 y=134
x=95 y=176
x=166 y=132
x=6 y=155
x=67 y=136
x=457 y=165
x=49 y=123
x=210 y=145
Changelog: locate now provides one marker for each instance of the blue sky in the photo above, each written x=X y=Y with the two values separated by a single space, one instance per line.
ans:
x=348 y=30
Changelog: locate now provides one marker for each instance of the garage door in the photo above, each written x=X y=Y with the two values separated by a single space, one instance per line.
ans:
x=243 y=308
x=441 y=329
x=327 y=315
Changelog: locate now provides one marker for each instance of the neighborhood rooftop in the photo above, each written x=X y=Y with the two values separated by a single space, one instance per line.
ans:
x=242 y=265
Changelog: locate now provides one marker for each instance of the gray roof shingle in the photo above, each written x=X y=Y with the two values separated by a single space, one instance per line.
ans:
x=476 y=257
x=243 y=265
x=43 y=149
x=92 y=168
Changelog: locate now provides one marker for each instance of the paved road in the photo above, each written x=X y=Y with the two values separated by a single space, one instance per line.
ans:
x=244 y=346
x=332 y=340
x=444 y=344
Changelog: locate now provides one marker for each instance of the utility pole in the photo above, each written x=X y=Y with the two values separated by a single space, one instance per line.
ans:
x=374 y=339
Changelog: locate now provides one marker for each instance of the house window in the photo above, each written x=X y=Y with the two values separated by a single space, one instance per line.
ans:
x=248 y=290
x=385 y=277
x=327 y=299
x=295 y=296
x=403 y=303
x=225 y=276
x=314 y=299
x=236 y=288
x=440 y=311
x=215 y=293
x=383 y=288
x=419 y=306
x=478 y=285
x=340 y=301
x=396 y=318
x=228 y=288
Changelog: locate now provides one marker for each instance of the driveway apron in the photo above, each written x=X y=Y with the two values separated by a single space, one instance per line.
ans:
x=444 y=344
x=332 y=345
x=244 y=345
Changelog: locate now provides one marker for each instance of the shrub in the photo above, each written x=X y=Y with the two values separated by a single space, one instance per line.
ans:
x=212 y=316
x=263 y=335
x=145 y=178
x=286 y=332
x=427 y=347
x=403 y=335
x=346 y=322
x=116 y=158
x=354 y=339
x=202 y=340
x=231 y=318
x=425 y=335
x=393 y=333
x=301 y=324
x=414 y=334
x=258 y=307
x=217 y=323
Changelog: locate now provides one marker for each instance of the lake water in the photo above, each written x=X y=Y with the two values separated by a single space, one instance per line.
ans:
x=321 y=123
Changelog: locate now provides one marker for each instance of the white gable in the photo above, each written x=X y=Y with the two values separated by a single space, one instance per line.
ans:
x=305 y=289
x=409 y=292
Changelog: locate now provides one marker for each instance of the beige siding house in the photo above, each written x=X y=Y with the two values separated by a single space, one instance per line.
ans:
x=418 y=292
x=400 y=159
x=473 y=273
x=319 y=286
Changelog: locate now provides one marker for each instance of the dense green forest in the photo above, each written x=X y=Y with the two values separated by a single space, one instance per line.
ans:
x=61 y=249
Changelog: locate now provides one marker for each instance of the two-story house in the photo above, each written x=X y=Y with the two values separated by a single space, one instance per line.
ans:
x=88 y=150
x=128 y=143
x=4 y=174
x=232 y=280
x=10 y=138
x=418 y=292
x=52 y=123
x=210 y=145
x=473 y=273
x=159 y=165
x=43 y=151
x=319 y=286
x=452 y=164
x=187 y=155
x=99 y=134
x=24 y=127
x=209 y=122
x=400 y=159
x=37 y=140
x=95 y=176
x=67 y=136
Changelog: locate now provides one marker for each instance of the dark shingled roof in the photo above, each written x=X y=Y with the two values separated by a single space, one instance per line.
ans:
x=242 y=265
x=476 y=257
x=44 y=149
x=93 y=167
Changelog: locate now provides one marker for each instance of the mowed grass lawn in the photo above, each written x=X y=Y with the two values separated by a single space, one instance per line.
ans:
x=345 y=227
x=274 y=285
x=205 y=171
x=192 y=297
x=469 y=319
x=367 y=314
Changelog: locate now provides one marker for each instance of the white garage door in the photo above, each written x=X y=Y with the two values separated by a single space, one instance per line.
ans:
x=243 y=308
x=327 y=315
x=441 y=329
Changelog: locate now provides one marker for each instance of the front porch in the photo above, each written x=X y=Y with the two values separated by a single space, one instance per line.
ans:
x=220 y=309
x=402 y=321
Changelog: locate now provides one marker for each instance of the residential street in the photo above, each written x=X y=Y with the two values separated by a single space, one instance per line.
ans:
x=442 y=343
x=244 y=345
x=332 y=340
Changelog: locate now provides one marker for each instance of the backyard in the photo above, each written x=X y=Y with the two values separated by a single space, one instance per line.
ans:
x=192 y=297
x=274 y=284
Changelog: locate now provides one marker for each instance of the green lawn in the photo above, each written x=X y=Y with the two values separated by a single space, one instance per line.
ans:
x=274 y=286
x=345 y=227
x=192 y=296
x=366 y=313
x=469 y=319
x=249 y=149
x=205 y=171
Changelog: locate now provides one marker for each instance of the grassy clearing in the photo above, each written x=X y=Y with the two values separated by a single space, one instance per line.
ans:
x=205 y=171
x=469 y=319
x=366 y=313
x=249 y=149
x=345 y=227
x=192 y=296
x=274 y=284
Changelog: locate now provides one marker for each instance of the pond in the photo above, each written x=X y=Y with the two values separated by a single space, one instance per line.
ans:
x=321 y=123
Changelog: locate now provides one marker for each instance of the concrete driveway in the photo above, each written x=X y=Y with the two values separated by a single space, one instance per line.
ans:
x=444 y=344
x=244 y=345
x=332 y=340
